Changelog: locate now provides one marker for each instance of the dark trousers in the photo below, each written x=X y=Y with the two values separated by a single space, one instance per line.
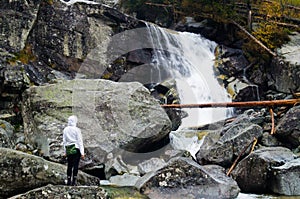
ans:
x=73 y=162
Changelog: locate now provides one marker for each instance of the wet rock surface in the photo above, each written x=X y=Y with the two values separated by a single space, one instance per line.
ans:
x=183 y=177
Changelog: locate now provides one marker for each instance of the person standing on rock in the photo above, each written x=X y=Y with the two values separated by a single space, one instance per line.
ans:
x=73 y=146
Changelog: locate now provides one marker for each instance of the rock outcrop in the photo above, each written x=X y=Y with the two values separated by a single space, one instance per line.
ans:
x=48 y=40
x=60 y=35
x=21 y=172
x=223 y=145
x=17 y=19
x=183 y=178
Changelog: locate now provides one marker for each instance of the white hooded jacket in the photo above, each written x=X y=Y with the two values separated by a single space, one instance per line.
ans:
x=72 y=135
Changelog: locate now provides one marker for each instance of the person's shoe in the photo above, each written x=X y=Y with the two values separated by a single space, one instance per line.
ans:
x=69 y=181
x=74 y=181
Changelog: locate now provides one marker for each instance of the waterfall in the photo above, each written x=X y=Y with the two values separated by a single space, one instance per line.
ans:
x=184 y=57
x=188 y=58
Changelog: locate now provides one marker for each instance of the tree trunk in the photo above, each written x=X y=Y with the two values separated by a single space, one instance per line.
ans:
x=254 y=39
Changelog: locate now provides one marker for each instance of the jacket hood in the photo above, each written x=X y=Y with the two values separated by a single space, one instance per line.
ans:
x=72 y=120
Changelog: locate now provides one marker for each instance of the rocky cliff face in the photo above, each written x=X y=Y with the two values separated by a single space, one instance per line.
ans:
x=17 y=20
x=45 y=40
x=64 y=35
x=53 y=27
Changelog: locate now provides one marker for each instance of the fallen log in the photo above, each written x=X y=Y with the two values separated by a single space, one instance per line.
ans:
x=158 y=4
x=271 y=103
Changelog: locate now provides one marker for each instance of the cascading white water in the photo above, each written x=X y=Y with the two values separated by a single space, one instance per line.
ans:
x=189 y=59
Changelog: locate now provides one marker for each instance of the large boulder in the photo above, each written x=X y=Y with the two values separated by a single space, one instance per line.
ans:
x=184 y=178
x=21 y=172
x=230 y=61
x=285 y=178
x=113 y=117
x=288 y=128
x=284 y=76
x=223 y=145
x=253 y=172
